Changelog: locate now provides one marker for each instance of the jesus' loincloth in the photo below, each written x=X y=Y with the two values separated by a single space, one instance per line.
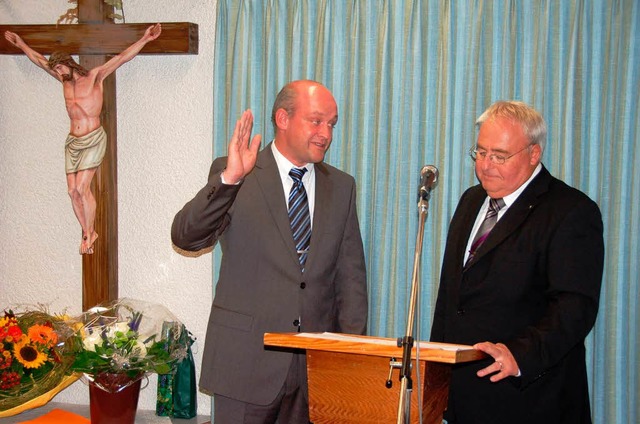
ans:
x=85 y=152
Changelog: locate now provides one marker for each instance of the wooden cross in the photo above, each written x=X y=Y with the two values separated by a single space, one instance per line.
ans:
x=94 y=39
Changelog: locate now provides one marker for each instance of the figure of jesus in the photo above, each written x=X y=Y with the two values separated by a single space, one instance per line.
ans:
x=87 y=140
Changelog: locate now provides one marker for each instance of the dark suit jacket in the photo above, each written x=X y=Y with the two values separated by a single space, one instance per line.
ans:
x=260 y=287
x=534 y=285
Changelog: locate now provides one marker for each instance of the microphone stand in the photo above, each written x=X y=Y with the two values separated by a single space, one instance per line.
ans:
x=406 y=342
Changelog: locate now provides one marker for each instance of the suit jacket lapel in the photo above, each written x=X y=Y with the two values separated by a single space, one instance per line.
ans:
x=268 y=178
x=465 y=222
x=322 y=202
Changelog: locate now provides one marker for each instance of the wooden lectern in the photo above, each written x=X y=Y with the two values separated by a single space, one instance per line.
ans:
x=347 y=376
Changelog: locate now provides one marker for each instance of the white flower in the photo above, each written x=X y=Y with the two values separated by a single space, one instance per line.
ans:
x=91 y=340
x=139 y=350
x=122 y=327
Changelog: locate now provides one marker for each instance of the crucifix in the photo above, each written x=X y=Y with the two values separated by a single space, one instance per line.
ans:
x=96 y=38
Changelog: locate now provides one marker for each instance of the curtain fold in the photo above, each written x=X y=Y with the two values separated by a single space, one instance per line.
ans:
x=410 y=77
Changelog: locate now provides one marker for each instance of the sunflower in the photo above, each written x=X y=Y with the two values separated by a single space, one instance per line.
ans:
x=43 y=334
x=27 y=354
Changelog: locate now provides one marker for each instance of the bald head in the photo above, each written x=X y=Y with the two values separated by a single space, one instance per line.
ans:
x=289 y=95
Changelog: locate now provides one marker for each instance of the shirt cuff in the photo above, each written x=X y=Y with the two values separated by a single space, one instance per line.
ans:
x=226 y=183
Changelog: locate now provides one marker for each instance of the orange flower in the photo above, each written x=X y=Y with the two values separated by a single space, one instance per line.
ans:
x=43 y=334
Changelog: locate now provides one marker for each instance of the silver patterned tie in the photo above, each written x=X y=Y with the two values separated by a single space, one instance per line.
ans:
x=487 y=225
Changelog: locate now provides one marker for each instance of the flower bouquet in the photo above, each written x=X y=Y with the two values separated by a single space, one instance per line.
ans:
x=125 y=338
x=34 y=360
x=119 y=344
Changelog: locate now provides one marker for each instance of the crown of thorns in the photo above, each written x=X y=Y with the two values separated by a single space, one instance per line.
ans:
x=62 y=58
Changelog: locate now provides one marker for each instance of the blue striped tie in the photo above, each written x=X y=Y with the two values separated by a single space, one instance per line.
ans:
x=299 y=215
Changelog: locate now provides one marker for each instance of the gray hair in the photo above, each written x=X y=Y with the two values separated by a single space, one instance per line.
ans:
x=530 y=119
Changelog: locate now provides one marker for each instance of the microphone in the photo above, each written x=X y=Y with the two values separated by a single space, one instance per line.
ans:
x=428 y=180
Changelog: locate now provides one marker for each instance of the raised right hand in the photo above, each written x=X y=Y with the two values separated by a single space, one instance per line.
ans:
x=242 y=154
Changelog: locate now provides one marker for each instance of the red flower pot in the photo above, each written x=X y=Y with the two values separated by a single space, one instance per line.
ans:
x=113 y=398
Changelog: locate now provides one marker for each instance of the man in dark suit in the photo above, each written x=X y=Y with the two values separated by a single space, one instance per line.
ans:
x=527 y=292
x=267 y=283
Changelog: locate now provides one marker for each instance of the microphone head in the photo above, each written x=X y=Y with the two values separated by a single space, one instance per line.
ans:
x=429 y=176
x=428 y=180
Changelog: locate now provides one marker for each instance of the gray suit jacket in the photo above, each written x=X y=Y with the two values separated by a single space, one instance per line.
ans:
x=260 y=287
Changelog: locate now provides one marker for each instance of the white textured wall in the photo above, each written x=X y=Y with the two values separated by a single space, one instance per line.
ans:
x=164 y=150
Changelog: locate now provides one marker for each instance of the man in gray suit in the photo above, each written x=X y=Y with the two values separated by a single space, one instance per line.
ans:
x=266 y=283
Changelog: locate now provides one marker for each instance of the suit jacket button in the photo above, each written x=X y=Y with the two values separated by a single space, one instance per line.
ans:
x=303 y=285
x=296 y=322
x=460 y=311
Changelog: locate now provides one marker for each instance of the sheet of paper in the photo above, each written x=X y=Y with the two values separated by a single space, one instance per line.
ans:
x=381 y=341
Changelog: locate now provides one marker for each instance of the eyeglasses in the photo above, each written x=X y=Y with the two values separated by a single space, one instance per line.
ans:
x=497 y=159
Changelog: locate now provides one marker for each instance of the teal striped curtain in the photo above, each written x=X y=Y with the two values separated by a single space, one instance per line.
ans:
x=410 y=77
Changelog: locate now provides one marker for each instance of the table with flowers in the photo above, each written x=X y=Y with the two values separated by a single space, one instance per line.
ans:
x=112 y=348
